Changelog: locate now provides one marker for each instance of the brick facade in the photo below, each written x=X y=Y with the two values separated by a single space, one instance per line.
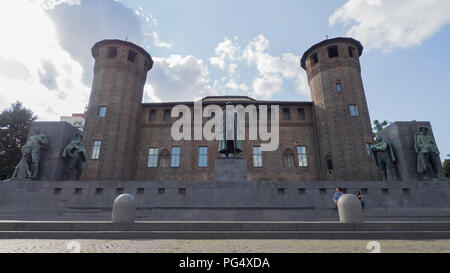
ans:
x=325 y=127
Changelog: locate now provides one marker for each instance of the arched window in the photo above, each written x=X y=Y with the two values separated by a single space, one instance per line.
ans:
x=288 y=159
x=164 y=159
x=330 y=164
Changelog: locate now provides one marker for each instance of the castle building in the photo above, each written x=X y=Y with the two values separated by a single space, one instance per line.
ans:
x=326 y=139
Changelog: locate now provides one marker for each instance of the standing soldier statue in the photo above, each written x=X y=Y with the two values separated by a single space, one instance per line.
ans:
x=230 y=146
x=75 y=155
x=31 y=155
x=427 y=153
x=385 y=158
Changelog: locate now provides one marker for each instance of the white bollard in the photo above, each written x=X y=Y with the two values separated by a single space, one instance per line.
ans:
x=124 y=209
x=350 y=210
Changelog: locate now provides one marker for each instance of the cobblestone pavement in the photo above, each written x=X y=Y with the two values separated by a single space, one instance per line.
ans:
x=219 y=246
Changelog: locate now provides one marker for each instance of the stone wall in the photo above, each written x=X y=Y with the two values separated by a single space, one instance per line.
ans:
x=211 y=201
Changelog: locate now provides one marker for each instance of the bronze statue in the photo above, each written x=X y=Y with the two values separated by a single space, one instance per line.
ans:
x=226 y=146
x=75 y=155
x=31 y=155
x=385 y=158
x=427 y=153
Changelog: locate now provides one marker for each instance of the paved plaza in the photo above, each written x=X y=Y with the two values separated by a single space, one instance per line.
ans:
x=222 y=246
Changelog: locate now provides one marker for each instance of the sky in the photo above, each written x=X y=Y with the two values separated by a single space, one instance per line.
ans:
x=217 y=47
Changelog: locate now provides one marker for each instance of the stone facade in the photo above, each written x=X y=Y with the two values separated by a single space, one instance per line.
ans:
x=335 y=141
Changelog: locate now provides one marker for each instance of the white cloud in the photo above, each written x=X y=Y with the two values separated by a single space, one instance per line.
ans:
x=387 y=25
x=266 y=86
x=226 y=52
x=158 y=42
x=273 y=70
x=33 y=47
x=179 y=78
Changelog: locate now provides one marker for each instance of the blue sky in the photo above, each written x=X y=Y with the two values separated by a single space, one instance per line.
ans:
x=211 y=47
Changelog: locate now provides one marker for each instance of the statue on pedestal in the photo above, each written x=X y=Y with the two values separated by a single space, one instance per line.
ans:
x=427 y=153
x=75 y=155
x=31 y=156
x=385 y=158
x=233 y=146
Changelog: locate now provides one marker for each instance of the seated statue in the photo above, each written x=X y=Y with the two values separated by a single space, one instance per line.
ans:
x=427 y=154
x=385 y=158
x=31 y=156
x=75 y=154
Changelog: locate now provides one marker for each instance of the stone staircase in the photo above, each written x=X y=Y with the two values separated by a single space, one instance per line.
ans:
x=226 y=230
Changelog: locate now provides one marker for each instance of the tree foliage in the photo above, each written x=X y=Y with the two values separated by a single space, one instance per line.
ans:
x=446 y=167
x=14 y=126
x=378 y=126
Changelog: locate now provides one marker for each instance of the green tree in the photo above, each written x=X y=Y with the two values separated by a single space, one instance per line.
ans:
x=378 y=126
x=14 y=125
x=446 y=167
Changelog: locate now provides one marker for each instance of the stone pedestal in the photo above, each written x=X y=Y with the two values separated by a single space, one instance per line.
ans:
x=350 y=210
x=230 y=170
x=124 y=209
x=59 y=134
x=401 y=137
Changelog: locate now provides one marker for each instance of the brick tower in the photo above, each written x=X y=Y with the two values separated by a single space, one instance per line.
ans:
x=114 y=111
x=342 y=116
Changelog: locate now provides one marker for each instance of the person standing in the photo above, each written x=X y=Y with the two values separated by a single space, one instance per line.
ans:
x=337 y=195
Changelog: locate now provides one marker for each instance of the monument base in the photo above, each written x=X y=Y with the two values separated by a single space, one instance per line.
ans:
x=52 y=166
x=232 y=169
x=401 y=137
x=266 y=201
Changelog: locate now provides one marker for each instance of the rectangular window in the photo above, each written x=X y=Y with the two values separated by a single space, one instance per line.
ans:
x=354 y=110
x=368 y=148
x=167 y=114
x=152 y=115
x=112 y=52
x=257 y=157
x=102 y=111
x=301 y=113
x=132 y=56
x=203 y=157
x=302 y=159
x=153 y=158
x=339 y=87
x=175 y=157
x=96 y=150
x=350 y=51
x=333 y=52
x=286 y=114
x=314 y=59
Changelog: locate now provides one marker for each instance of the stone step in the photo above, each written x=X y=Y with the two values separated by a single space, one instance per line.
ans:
x=227 y=235
x=20 y=226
